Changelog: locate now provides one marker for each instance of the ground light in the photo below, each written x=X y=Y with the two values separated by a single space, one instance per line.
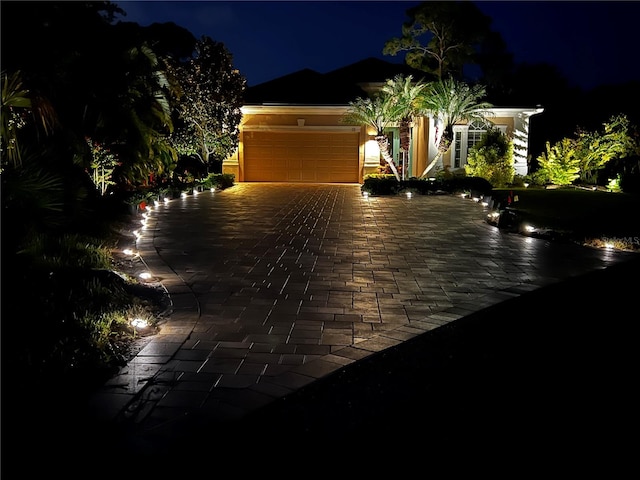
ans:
x=493 y=216
x=139 y=323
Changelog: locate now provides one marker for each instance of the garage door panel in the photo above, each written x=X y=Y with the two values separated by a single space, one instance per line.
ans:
x=301 y=157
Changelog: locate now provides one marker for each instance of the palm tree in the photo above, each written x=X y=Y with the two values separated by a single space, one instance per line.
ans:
x=377 y=112
x=144 y=116
x=450 y=102
x=407 y=98
x=397 y=102
x=20 y=107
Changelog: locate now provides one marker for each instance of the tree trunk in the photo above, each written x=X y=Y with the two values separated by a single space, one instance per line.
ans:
x=383 y=143
x=432 y=164
x=443 y=143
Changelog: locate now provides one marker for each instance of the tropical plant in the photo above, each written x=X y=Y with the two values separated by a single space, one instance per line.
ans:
x=379 y=112
x=560 y=164
x=102 y=166
x=406 y=95
x=451 y=102
x=595 y=149
x=139 y=124
x=492 y=158
x=20 y=107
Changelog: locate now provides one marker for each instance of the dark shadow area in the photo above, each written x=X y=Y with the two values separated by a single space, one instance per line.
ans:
x=551 y=370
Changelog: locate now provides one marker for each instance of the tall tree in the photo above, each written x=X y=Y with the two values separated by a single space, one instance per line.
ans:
x=450 y=102
x=595 y=149
x=396 y=102
x=108 y=87
x=406 y=95
x=379 y=112
x=137 y=128
x=441 y=37
x=209 y=102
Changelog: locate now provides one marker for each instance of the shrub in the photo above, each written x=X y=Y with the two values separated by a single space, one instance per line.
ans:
x=492 y=158
x=518 y=181
x=375 y=184
x=560 y=163
x=474 y=185
x=380 y=184
x=538 y=178
x=218 y=180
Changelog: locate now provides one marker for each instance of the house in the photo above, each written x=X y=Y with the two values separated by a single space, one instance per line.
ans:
x=292 y=130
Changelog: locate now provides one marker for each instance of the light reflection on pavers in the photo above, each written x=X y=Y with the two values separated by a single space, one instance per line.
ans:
x=277 y=285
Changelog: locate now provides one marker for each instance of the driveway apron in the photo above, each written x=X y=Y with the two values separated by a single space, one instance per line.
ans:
x=274 y=286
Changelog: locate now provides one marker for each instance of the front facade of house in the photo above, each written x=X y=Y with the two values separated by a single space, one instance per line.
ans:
x=292 y=135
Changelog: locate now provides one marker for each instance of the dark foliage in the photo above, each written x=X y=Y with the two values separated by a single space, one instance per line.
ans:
x=388 y=185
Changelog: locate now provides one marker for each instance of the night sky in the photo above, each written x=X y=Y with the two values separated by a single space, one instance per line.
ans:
x=592 y=43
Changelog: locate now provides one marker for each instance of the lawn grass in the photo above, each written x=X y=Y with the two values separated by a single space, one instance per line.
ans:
x=576 y=211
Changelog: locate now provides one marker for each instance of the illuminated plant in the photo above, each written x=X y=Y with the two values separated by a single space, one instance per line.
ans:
x=451 y=102
x=595 y=149
x=102 y=166
x=492 y=158
x=560 y=164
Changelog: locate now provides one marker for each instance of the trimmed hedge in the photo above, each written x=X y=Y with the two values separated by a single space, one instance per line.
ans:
x=388 y=185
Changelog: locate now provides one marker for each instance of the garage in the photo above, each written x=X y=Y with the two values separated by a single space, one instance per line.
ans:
x=314 y=157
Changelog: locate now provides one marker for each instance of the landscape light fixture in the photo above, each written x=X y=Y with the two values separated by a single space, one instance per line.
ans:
x=139 y=323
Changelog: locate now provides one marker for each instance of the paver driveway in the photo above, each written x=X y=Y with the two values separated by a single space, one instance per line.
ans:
x=277 y=285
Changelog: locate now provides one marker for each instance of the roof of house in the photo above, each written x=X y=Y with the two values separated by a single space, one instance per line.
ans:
x=338 y=87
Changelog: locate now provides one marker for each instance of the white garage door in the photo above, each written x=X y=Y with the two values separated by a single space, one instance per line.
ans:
x=301 y=157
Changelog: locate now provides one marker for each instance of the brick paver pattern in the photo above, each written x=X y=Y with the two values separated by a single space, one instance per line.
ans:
x=276 y=285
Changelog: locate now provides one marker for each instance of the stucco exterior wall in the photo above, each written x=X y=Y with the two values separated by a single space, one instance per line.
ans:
x=323 y=118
